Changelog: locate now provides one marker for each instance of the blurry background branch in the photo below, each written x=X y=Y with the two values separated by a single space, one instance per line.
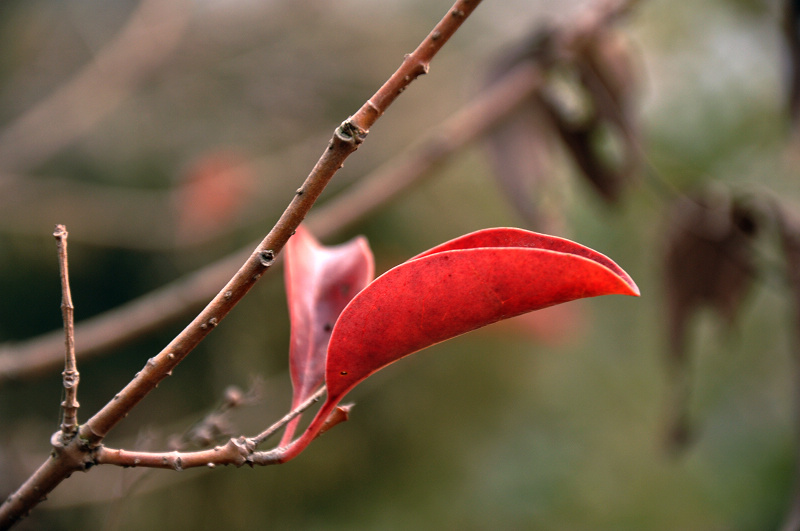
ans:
x=146 y=43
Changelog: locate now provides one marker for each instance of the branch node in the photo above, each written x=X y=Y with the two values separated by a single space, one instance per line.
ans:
x=267 y=257
x=350 y=133
x=245 y=447
x=71 y=379
x=57 y=442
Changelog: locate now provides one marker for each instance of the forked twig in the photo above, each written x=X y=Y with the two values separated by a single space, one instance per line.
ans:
x=237 y=451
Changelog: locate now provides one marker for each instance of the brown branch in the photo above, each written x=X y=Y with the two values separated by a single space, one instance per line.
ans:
x=415 y=65
x=157 y=308
x=71 y=375
x=151 y=34
x=114 y=328
x=237 y=451
x=152 y=311
x=346 y=139
x=62 y=462
x=144 y=219
x=431 y=151
x=269 y=432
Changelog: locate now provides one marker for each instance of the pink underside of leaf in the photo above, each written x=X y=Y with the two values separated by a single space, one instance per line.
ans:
x=320 y=281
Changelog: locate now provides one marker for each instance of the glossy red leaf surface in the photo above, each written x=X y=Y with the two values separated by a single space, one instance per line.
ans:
x=320 y=281
x=454 y=288
x=464 y=284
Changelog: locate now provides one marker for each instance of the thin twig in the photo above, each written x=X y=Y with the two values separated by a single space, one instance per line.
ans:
x=237 y=451
x=71 y=375
x=347 y=137
x=269 y=432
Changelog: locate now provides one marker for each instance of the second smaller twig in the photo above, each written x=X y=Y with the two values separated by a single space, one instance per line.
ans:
x=69 y=425
x=269 y=432
x=237 y=451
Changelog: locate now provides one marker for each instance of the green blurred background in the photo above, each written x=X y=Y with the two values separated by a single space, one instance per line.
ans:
x=551 y=424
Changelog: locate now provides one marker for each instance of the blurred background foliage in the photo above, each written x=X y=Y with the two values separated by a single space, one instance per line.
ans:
x=553 y=422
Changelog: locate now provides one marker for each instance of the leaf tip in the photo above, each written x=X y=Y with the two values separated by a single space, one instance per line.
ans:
x=633 y=289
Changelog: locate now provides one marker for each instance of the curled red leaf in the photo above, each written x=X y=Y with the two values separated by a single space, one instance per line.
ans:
x=454 y=288
x=320 y=281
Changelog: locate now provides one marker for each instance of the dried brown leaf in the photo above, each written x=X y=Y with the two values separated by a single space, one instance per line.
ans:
x=709 y=262
x=521 y=146
x=603 y=137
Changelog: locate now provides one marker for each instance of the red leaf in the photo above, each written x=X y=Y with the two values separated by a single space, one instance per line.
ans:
x=452 y=289
x=556 y=326
x=320 y=281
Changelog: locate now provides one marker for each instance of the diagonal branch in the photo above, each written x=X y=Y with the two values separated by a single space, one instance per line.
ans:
x=347 y=137
x=170 y=302
x=398 y=175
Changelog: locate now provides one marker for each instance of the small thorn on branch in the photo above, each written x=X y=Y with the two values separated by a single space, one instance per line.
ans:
x=69 y=424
